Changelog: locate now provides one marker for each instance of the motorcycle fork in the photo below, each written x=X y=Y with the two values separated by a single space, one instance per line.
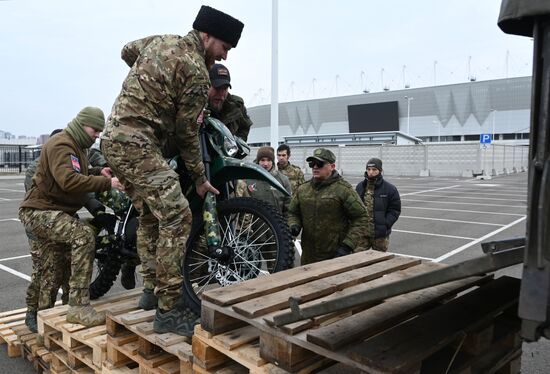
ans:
x=210 y=213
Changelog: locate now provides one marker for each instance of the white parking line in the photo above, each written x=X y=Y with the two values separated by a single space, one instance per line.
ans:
x=453 y=202
x=412 y=256
x=468 y=245
x=7 y=189
x=10 y=219
x=435 y=189
x=430 y=234
x=473 y=198
x=488 y=193
x=452 y=220
x=464 y=211
x=14 y=258
x=4 y=199
x=15 y=272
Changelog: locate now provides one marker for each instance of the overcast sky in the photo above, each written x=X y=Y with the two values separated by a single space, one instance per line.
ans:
x=57 y=56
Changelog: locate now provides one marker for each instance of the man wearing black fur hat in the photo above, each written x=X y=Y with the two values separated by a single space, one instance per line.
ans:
x=162 y=99
x=383 y=205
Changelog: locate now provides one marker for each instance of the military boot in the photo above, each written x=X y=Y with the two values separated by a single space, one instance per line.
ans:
x=30 y=321
x=128 y=277
x=178 y=321
x=148 y=300
x=85 y=315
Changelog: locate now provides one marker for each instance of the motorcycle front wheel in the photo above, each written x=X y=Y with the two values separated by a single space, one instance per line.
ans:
x=256 y=242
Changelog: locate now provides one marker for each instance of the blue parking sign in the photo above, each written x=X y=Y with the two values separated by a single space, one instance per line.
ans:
x=485 y=138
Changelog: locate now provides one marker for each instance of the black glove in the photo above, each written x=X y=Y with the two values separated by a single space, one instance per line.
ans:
x=105 y=221
x=295 y=230
x=343 y=250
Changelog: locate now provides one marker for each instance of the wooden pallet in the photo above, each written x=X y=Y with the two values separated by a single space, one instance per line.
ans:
x=400 y=334
x=12 y=327
x=75 y=347
x=236 y=351
x=133 y=346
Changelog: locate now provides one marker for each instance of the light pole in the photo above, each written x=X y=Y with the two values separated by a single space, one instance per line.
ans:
x=408 y=98
x=438 y=131
x=493 y=130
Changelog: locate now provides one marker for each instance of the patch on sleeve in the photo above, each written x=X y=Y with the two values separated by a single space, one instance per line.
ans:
x=76 y=163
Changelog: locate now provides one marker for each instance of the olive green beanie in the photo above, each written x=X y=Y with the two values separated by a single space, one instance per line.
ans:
x=92 y=117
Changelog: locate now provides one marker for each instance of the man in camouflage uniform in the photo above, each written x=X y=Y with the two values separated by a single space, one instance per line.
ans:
x=293 y=172
x=262 y=190
x=162 y=99
x=59 y=189
x=34 y=288
x=328 y=211
x=383 y=205
x=227 y=107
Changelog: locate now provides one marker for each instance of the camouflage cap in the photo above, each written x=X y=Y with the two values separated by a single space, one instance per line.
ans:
x=323 y=155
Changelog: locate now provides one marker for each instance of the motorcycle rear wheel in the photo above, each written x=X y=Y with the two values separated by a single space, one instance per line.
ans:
x=255 y=235
x=108 y=267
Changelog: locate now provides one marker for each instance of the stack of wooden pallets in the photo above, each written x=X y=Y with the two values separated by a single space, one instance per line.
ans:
x=462 y=327
x=75 y=348
x=133 y=346
x=426 y=331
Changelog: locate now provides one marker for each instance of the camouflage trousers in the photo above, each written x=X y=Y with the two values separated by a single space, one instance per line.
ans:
x=44 y=285
x=164 y=215
x=378 y=244
x=56 y=232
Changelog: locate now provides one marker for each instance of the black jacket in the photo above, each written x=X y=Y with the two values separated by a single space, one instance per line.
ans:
x=387 y=205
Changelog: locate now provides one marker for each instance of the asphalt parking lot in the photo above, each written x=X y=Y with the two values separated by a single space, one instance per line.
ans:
x=442 y=220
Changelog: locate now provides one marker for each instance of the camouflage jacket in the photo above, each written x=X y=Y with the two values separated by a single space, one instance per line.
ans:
x=262 y=190
x=294 y=174
x=330 y=214
x=234 y=116
x=163 y=97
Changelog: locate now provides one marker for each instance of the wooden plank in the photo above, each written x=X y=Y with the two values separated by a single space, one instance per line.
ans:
x=317 y=288
x=216 y=322
x=420 y=268
x=138 y=316
x=379 y=317
x=11 y=313
x=289 y=356
x=415 y=340
x=236 y=338
x=292 y=277
x=205 y=355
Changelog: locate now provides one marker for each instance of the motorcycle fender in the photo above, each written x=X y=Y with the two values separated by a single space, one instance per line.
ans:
x=225 y=169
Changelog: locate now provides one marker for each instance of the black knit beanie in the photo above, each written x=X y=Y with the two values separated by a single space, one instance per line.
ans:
x=375 y=163
x=219 y=25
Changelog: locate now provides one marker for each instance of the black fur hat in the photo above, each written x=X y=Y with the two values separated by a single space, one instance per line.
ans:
x=219 y=25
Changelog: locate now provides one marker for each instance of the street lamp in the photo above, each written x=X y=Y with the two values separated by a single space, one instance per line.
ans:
x=438 y=131
x=494 y=111
x=408 y=98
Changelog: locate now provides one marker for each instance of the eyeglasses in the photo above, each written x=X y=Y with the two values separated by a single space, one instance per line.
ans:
x=317 y=163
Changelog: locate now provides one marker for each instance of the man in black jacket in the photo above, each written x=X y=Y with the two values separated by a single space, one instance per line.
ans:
x=383 y=205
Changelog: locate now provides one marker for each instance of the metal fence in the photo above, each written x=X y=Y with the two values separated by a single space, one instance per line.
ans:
x=447 y=159
x=16 y=158
x=451 y=159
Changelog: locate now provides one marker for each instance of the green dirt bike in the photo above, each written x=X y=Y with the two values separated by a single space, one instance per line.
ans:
x=240 y=239
x=232 y=239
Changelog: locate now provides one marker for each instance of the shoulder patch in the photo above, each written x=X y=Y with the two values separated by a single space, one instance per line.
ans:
x=75 y=163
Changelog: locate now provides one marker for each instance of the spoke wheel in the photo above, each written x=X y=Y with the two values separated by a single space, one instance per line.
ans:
x=256 y=242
